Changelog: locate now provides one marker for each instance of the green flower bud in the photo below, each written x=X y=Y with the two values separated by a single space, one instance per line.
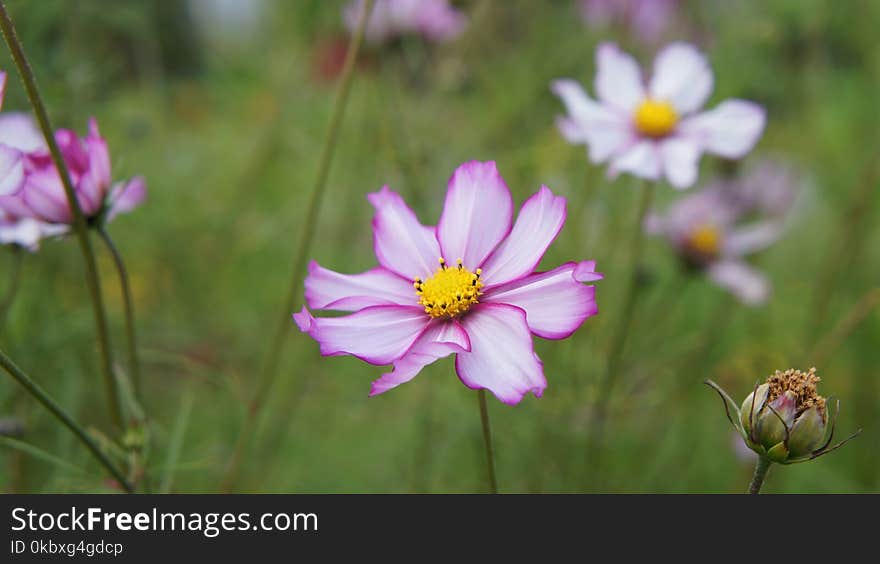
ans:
x=775 y=420
x=752 y=406
x=784 y=420
x=807 y=432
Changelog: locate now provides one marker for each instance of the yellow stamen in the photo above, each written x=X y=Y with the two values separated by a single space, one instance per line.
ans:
x=655 y=118
x=705 y=240
x=450 y=292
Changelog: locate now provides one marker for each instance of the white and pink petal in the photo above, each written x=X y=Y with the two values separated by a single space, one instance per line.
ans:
x=681 y=161
x=402 y=244
x=377 y=335
x=740 y=279
x=476 y=215
x=539 y=222
x=556 y=302
x=618 y=78
x=641 y=159
x=752 y=238
x=604 y=129
x=730 y=130
x=439 y=340
x=126 y=196
x=682 y=76
x=327 y=289
x=502 y=359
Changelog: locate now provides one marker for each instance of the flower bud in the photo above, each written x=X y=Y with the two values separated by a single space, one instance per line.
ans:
x=752 y=406
x=806 y=433
x=775 y=420
x=784 y=419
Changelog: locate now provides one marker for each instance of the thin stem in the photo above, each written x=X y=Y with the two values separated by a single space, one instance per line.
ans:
x=41 y=396
x=487 y=441
x=137 y=466
x=130 y=330
x=761 y=468
x=12 y=289
x=606 y=385
x=80 y=225
x=273 y=357
x=629 y=305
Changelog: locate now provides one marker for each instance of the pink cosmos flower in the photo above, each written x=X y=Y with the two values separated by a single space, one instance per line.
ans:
x=18 y=136
x=465 y=287
x=654 y=131
x=714 y=229
x=435 y=20
x=648 y=19
x=30 y=186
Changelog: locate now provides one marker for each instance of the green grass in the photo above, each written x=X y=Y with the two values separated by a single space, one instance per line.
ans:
x=230 y=154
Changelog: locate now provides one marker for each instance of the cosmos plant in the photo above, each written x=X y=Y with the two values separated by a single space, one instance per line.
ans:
x=646 y=20
x=434 y=20
x=654 y=129
x=31 y=190
x=712 y=231
x=784 y=420
x=466 y=287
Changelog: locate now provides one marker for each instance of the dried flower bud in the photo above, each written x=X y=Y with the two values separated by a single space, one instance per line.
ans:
x=784 y=419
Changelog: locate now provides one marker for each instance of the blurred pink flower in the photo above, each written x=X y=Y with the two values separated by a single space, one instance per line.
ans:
x=26 y=232
x=482 y=303
x=435 y=20
x=30 y=186
x=647 y=19
x=18 y=136
x=654 y=131
x=713 y=229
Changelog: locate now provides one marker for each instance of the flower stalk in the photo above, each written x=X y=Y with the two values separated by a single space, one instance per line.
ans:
x=487 y=441
x=80 y=226
x=618 y=341
x=41 y=396
x=761 y=468
x=130 y=329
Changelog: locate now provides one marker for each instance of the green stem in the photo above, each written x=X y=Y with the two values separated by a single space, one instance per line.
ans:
x=41 y=396
x=761 y=468
x=273 y=357
x=137 y=466
x=606 y=385
x=12 y=289
x=130 y=330
x=80 y=225
x=629 y=305
x=487 y=441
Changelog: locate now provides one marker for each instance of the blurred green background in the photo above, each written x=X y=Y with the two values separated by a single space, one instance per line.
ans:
x=225 y=116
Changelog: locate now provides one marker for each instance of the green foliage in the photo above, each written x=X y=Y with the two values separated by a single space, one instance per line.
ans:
x=230 y=151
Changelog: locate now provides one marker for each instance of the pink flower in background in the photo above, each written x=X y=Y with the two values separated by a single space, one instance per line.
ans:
x=30 y=186
x=26 y=232
x=713 y=230
x=465 y=287
x=18 y=137
x=647 y=19
x=435 y=20
x=654 y=131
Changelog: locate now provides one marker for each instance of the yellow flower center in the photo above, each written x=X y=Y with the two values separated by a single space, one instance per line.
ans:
x=655 y=118
x=705 y=240
x=450 y=292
